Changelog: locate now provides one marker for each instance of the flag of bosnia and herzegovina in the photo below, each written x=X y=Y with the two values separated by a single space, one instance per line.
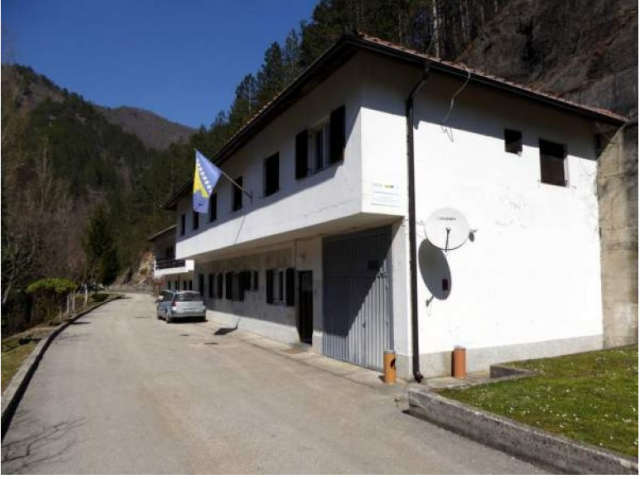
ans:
x=204 y=181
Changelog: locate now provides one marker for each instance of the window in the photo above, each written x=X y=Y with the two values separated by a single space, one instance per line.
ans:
x=322 y=145
x=272 y=174
x=211 y=277
x=319 y=144
x=228 y=280
x=237 y=194
x=220 y=286
x=184 y=284
x=213 y=207
x=513 y=141
x=201 y=284
x=255 y=282
x=280 y=286
x=182 y=224
x=169 y=253
x=552 y=163
x=196 y=220
x=190 y=285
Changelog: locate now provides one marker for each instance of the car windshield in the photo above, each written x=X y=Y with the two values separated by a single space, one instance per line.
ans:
x=188 y=297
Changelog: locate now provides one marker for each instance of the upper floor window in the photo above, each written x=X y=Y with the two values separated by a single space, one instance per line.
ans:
x=236 y=198
x=322 y=145
x=552 y=163
x=213 y=207
x=272 y=174
x=513 y=141
x=183 y=222
x=196 y=220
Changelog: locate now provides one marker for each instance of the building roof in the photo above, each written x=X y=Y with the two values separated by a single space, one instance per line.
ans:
x=347 y=47
x=161 y=233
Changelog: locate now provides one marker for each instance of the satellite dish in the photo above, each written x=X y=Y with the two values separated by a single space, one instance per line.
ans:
x=447 y=229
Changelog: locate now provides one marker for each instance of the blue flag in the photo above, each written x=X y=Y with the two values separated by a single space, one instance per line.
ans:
x=204 y=181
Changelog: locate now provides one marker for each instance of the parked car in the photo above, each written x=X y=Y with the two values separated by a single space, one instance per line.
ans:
x=181 y=304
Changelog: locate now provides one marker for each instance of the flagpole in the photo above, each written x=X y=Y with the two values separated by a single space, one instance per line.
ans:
x=232 y=181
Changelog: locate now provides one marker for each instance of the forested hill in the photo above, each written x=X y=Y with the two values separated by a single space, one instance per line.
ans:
x=64 y=163
x=153 y=130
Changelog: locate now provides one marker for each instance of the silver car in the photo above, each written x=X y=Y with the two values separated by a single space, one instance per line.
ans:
x=181 y=304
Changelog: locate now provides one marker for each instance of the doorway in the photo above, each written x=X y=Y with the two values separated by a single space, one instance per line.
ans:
x=305 y=306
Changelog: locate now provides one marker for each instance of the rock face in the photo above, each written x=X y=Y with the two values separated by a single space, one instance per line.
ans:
x=585 y=51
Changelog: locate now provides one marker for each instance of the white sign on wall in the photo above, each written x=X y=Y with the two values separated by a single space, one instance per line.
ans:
x=385 y=194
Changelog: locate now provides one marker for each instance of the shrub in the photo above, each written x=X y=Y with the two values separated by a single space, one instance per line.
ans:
x=99 y=297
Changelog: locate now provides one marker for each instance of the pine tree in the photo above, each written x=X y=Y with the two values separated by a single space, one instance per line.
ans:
x=100 y=248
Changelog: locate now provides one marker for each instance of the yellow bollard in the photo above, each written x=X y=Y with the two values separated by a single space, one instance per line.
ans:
x=389 y=367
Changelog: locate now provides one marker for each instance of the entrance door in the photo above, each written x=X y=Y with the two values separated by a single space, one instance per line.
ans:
x=357 y=297
x=305 y=306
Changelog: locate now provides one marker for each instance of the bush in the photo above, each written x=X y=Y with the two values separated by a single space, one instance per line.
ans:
x=99 y=297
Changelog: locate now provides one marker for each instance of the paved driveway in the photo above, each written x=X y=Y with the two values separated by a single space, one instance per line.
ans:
x=119 y=392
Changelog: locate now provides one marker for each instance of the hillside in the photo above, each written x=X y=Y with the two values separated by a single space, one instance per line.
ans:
x=153 y=130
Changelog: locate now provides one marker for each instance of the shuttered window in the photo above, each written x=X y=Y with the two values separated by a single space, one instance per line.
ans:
x=237 y=194
x=228 y=285
x=213 y=207
x=290 y=286
x=269 y=286
x=302 y=154
x=272 y=174
x=552 y=163
x=338 y=135
x=220 y=288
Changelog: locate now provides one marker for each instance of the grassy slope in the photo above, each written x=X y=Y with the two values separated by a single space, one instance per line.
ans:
x=12 y=360
x=591 y=397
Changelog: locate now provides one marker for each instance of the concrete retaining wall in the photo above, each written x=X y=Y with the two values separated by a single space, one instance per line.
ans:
x=554 y=452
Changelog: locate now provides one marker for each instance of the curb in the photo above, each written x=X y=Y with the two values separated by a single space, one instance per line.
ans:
x=525 y=442
x=18 y=385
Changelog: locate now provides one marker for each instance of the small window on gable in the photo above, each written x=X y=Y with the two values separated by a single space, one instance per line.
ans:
x=552 y=163
x=272 y=174
x=513 y=141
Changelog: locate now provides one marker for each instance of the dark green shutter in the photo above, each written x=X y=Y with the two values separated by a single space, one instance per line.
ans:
x=269 y=286
x=290 y=293
x=337 y=135
x=302 y=154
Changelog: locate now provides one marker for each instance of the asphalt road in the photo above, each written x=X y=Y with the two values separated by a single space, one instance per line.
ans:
x=120 y=392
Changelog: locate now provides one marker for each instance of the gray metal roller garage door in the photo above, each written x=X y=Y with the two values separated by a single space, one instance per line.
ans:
x=357 y=297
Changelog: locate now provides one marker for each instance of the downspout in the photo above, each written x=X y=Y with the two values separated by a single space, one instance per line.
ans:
x=412 y=227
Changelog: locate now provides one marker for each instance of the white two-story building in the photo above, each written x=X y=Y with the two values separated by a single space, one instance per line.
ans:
x=345 y=167
x=169 y=272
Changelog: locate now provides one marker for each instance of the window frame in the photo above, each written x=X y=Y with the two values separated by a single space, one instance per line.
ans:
x=268 y=188
x=549 y=163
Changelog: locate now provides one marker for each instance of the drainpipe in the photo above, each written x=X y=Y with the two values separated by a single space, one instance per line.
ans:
x=412 y=227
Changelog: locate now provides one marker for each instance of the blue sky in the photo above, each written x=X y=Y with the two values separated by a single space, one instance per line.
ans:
x=181 y=59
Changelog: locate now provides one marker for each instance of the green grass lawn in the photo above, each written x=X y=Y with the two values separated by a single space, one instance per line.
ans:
x=12 y=359
x=591 y=397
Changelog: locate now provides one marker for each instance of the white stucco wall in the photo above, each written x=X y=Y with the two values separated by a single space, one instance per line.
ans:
x=532 y=275
x=329 y=195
